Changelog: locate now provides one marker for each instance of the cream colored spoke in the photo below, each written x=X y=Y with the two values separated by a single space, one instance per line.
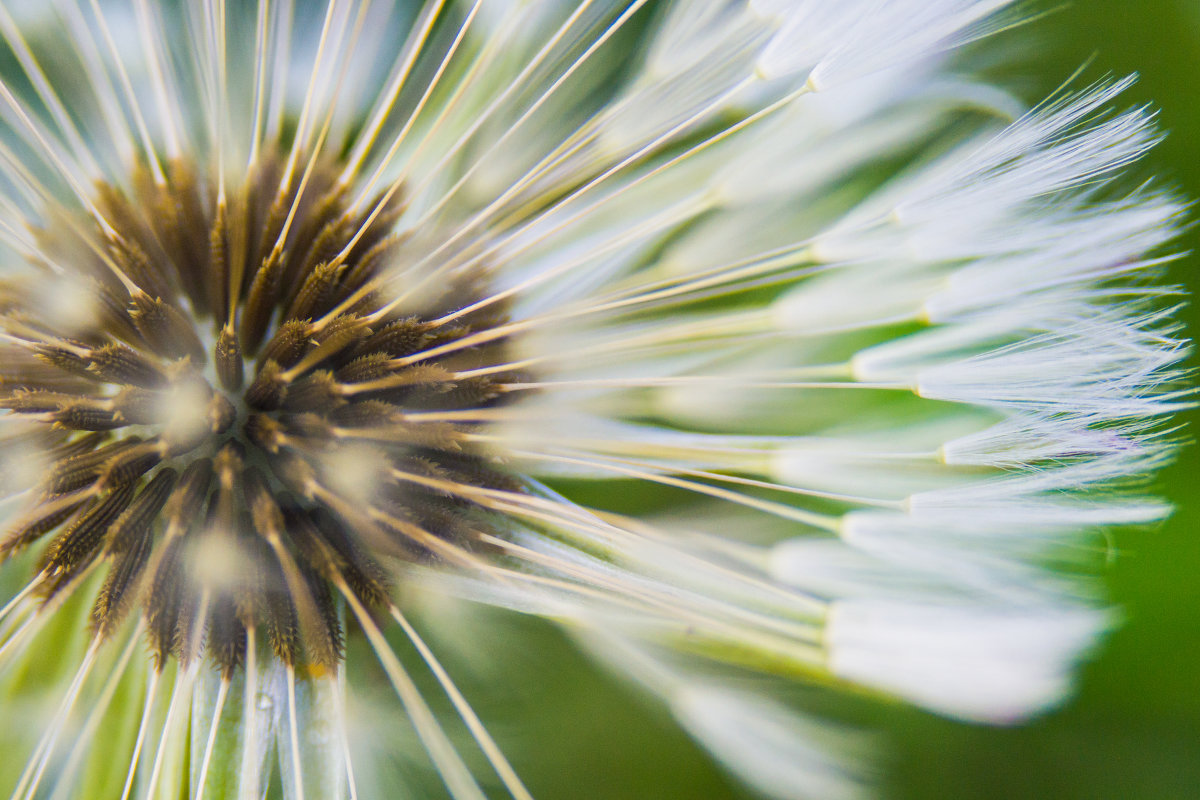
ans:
x=261 y=51
x=36 y=138
x=106 y=92
x=285 y=18
x=498 y=102
x=454 y=772
x=638 y=155
x=249 y=777
x=337 y=690
x=63 y=786
x=809 y=518
x=143 y=729
x=31 y=778
x=412 y=48
x=798 y=639
x=130 y=95
x=413 y=116
x=525 y=116
x=153 y=35
x=300 y=140
x=45 y=91
x=658 y=224
x=530 y=222
x=507 y=774
x=211 y=740
x=294 y=734
x=605 y=462
x=185 y=680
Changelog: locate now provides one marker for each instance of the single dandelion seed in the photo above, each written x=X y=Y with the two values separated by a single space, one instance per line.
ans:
x=618 y=314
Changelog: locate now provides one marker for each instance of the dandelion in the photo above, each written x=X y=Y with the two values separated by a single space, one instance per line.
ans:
x=747 y=339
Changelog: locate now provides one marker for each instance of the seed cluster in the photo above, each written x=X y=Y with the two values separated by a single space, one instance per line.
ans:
x=244 y=429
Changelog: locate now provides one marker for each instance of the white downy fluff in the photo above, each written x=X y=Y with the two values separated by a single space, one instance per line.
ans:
x=975 y=661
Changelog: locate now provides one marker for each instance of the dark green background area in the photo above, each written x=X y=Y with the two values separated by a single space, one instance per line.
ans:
x=1133 y=729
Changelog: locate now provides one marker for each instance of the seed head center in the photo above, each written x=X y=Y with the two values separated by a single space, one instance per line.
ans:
x=243 y=427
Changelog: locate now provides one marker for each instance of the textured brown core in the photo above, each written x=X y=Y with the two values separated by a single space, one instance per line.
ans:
x=196 y=428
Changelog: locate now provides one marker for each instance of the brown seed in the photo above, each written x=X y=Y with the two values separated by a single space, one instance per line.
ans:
x=315 y=293
x=74 y=548
x=36 y=524
x=269 y=388
x=78 y=470
x=228 y=354
x=260 y=303
x=129 y=543
x=288 y=344
x=165 y=329
x=117 y=363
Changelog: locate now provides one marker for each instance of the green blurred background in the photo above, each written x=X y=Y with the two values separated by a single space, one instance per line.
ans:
x=1133 y=729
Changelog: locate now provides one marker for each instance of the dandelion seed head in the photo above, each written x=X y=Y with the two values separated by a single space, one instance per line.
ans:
x=241 y=388
x=683 y=325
